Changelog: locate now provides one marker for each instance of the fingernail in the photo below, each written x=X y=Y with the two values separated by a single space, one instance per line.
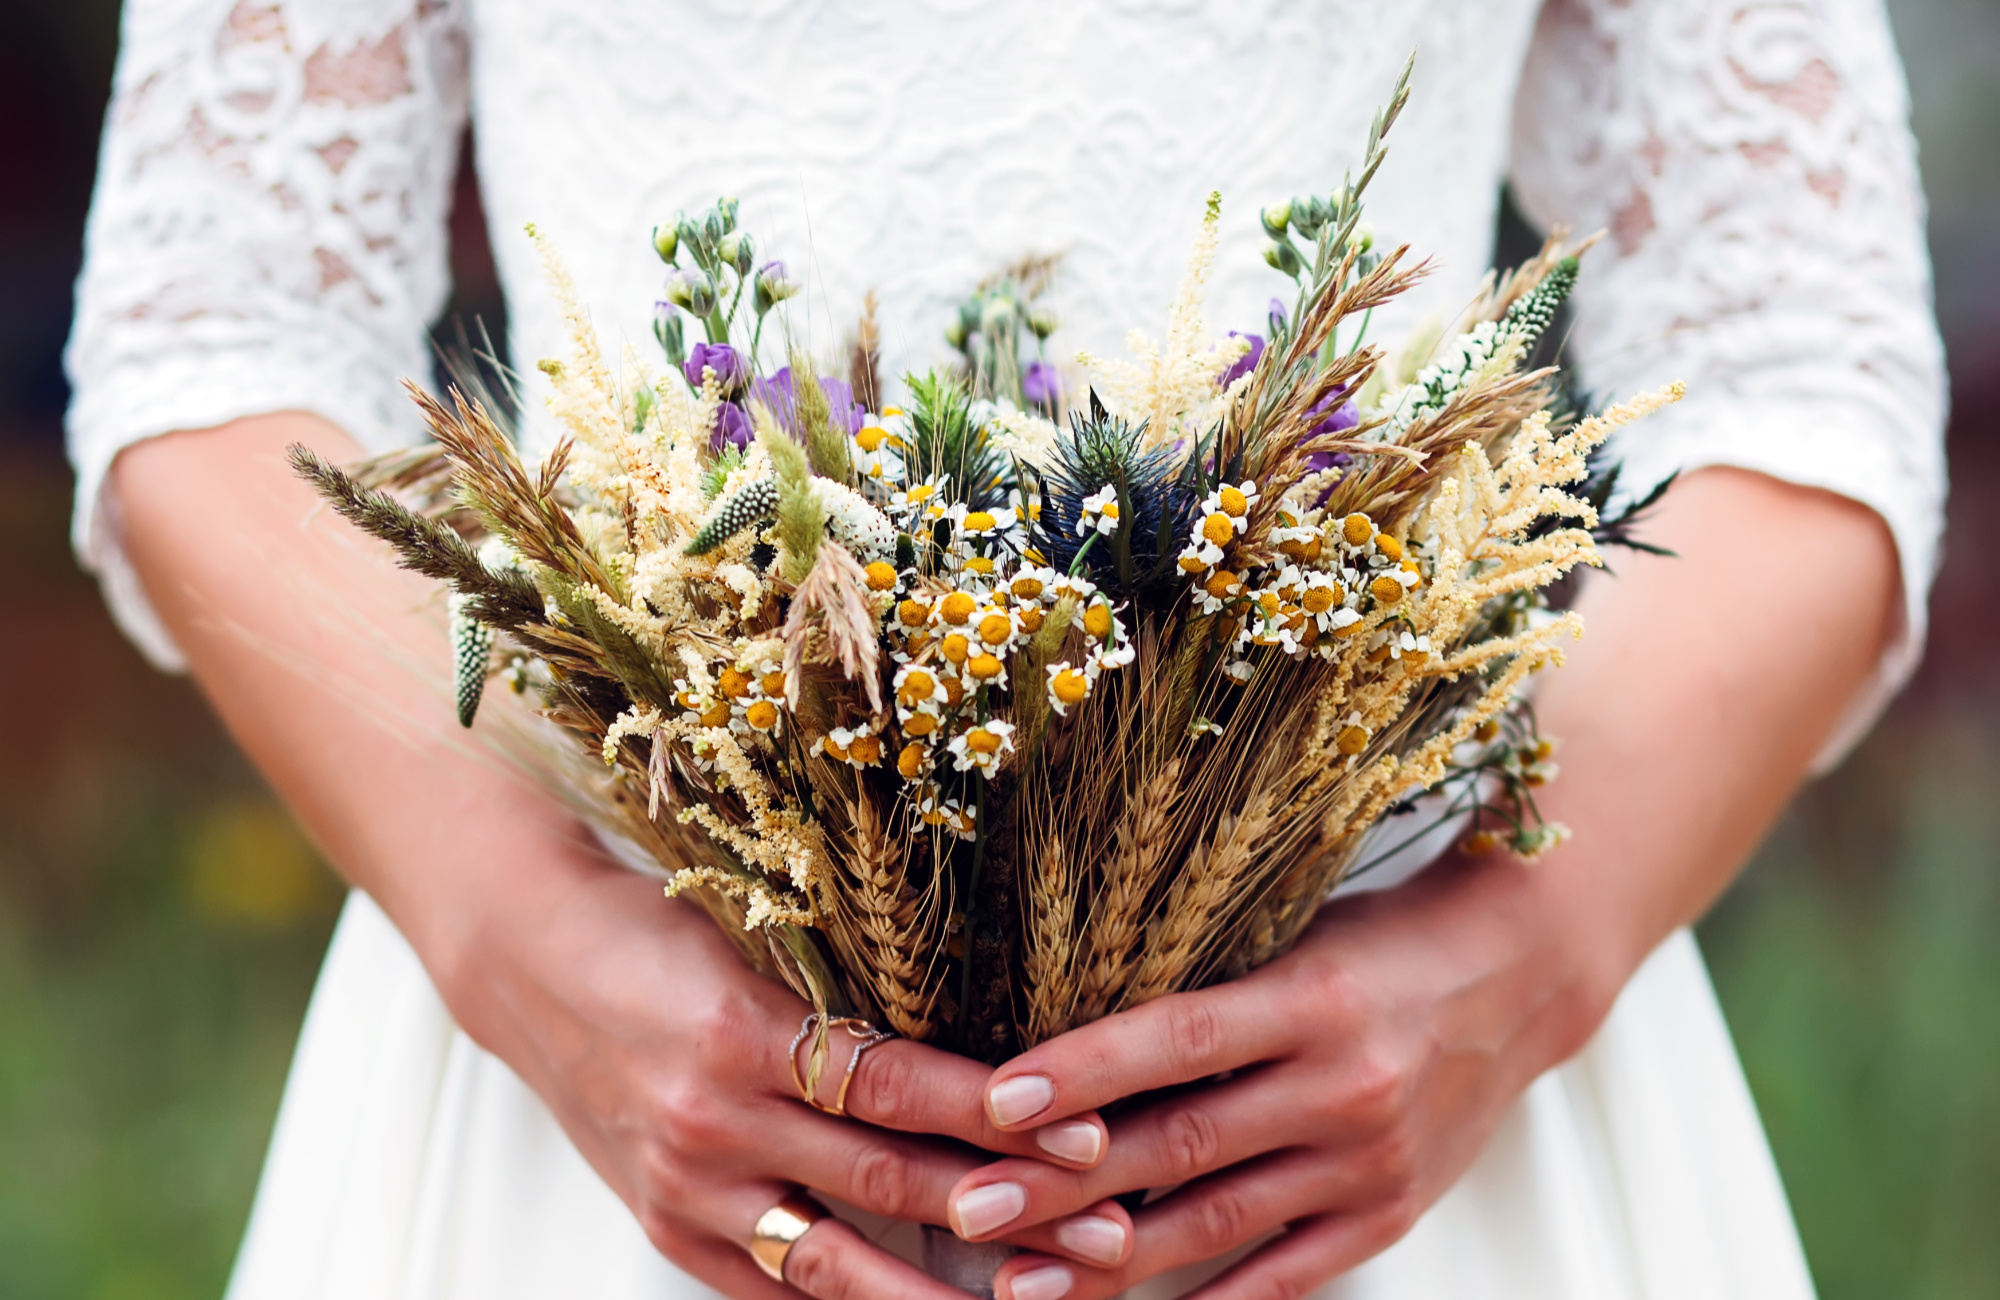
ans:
x=1074 y=1141
x=1049 y=1282
x=1020 y=1098
x=984 y=1209
x=1099 y=1240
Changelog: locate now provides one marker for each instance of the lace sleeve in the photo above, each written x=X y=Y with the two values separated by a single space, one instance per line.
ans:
x=1753 y=168
x=268 y=233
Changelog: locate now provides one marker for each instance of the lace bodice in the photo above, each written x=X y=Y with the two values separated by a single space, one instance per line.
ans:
x=268 y=231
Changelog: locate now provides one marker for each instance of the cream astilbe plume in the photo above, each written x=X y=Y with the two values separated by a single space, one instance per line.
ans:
x=1172 y=387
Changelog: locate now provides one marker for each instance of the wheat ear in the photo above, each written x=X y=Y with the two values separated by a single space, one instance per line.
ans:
x=1051 y=958
x=887 y=914
x=1121 y=899
x=1207 y=887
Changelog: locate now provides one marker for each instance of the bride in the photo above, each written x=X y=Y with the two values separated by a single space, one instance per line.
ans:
x=525 y=1074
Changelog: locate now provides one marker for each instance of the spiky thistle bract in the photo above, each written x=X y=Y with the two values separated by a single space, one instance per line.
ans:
x=1159 y=489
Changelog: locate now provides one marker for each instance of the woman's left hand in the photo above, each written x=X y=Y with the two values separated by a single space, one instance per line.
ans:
x=1365 y=1071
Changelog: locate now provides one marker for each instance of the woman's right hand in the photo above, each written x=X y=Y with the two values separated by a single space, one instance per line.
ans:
x=659 y=1051
x=663 y=1057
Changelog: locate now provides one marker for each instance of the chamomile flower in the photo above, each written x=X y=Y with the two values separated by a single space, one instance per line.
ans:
x=921 y=501
x=1070 y=685
x=982 y=748
x=1217 y=590
x=870 y=451
x=933 y=809
x=857 y=745
x=1098 y=512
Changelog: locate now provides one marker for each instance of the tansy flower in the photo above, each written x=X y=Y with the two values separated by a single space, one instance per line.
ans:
x=983 y=747
x=1099 y=511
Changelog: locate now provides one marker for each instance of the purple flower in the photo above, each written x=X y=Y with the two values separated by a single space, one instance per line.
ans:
x=1277 y=315
x=732 y=428
x=1041 y=385
x=778 y=393
x=1339 y=416
x=1245 y=363
x=725 y=361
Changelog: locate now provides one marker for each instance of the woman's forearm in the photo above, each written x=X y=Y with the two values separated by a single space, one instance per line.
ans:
x=1704 y=686
x=330 y=668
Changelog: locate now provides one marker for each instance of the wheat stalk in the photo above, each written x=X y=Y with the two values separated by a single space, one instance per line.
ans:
x=1050 y=962
x=886 y=924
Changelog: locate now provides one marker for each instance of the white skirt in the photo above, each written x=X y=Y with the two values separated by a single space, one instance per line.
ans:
x=408 y=1164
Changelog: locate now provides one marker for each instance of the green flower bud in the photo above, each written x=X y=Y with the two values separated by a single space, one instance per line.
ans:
x=954 y=334
x=771 y=287
x=1284 y=259
x=1043 y=321
x=666 y=242
x=1364 y=236
x=735 y=249
x=691 y=291
x=667 y=329
x=725 y=208
x=1275 y=218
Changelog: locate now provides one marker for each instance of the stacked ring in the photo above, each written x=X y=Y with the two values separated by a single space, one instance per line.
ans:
x=864 y=1035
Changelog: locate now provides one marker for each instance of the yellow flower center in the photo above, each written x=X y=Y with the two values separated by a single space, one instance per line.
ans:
x=1189 y=564
x=1386 y=589
x=1221 y=584
x=773 y=683
x=762 y=715
x=957 y=608
x=981 y=741
x=1097 y=620
x=917 y=687
x=979 y=563
x=870 y=438
x=833 y=749
x=881 y=575
x=1070 y=686
x=1031 y=619
x=954 y=692
x=957 y=648
x=1303 y=549
x=920 y=724
x=1217 y=528
x=717 y=714
x=735 y=685
x=921 y=492
x=865 y=750
x=1268 y=602
x=1026 y=588
x=1233 y=501
x=912 y=613
x=979 y=521
x=1389 y=546
x=995 y=629
x=1318 y=600
x=984 y=667
x=911 y=761
x=1351 y=740
x=1357 y=529
x=1110 y=510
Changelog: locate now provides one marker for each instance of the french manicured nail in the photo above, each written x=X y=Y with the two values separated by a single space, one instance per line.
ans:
x=1099 y=1240
x=985 y=1209
x=1020 y=1098
x=1074 y=1141
x=1049 y=1282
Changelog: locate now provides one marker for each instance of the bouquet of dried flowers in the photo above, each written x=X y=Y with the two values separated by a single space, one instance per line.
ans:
x=981 y=716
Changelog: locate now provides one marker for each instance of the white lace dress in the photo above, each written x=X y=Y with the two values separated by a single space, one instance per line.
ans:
x=268 y=234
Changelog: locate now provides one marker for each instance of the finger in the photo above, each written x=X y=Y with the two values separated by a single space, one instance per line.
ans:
x=1179 y=1139
x=917 y=1089
x=896 y=1176
x=1309 y=1254
x=1101 y=1236
x=1170 y=1040
x=830 y=1260
x=1207 y=1219
x=835 y=1262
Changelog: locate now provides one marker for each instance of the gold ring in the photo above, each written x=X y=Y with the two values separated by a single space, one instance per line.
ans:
x=779 y=1229
x=864 y=1035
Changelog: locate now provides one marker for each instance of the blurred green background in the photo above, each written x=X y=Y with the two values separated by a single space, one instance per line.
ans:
x=161 y=920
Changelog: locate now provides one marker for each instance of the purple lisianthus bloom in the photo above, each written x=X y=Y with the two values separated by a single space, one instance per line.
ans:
x=1338 y=416
x=1277 y=315
x=732 y=428
x=781 y=397
x=725 y=361
x=1245 y=363
x=1041 y=385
